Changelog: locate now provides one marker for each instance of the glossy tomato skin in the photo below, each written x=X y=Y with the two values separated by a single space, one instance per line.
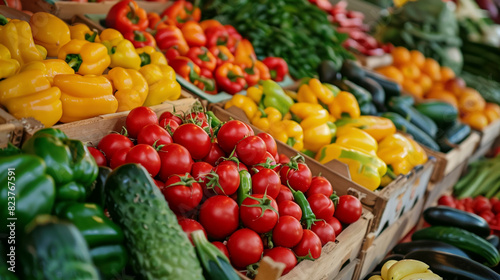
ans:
x=138 y=118
x=98 y=156
x=290 y=208
x=231 y=133
x=170 y=115
x=271 y=146
x=214 y=154
x=283 y=159
x=336 y=225
x=182 y=199
x=190 y=225
x=219 y=216
x=199 y=171
x=245 y=247
x=221 y=247
x=251 y=150
x=253 y=218
x=113 y=142
x=321 y=205
x=169 y=125
x=118 y=158
x=283 y=255
x=309 y=244
x=194 y=139
x=287 y=232
x=285 y=194
x=319 y=184
x=264 y=164
x=240 y=166
x=154 y=134
x=175 y=159
x=299 y=179
x=324 y=231
x=266 y=181
x=228 y=179
x=349 y=209
x=146 y=156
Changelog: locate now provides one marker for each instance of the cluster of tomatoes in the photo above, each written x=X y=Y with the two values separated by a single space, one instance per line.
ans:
x=488 y=209
x=221 y=178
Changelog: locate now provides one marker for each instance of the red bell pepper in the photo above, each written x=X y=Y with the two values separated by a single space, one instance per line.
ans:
x=205 y=73
x=263 y=70
x=140 y=38
x=222 y=54
x=156 y=22
x=251 y=74
x=233 y=33
x=202 y=57
x=194 y=35
x=186 y=69
x=181 y=12
x=244 y=54
x=171 y=37
x=171 y=54
x=126 y=16
x=230 y=78
x=218 y=36
x=277 y=67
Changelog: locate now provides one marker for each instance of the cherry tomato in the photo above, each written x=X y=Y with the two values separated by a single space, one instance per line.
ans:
x=170 y=125
x=245 y=248
x=138 y=118
x=336 y=225
x=99 y=157
x=481 y=204
x=310 y=244
x=349 y=209
x=194 y=139
x=214 y=154
x=324 y=231
x=153 y=134
x=493 y=200
x=271 y=146
x=190 y=225
x=182 y=193
x=287 y=232
x=146 y=156
x=496 y=207
x=447 y=200
x=299 y=179
x=266 y=181
x=221 y=247
x=113 y=142
x=258 y=213
x=219 y=216
x=487 y=215
x=119 y=158
x=290 y=208
x=283 y=255
x=226 y=181
x=320 y=184
x=284 y=195
x=175 y=159
x=321 y=205
x=231 y=133
x=172 y=116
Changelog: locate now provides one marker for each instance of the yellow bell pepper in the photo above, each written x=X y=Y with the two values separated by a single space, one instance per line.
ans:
x=289 y=132
x=264 y=119
x=110 y=34
x=377 y=127
x=8 y=65
x=29 y=94
x=314 y=118
x=394 y=150
x=129 y=86
x=418 y=155
x=255 y=93
x=345 y=103
x=244 y=103
x=150 y=55
x=81 y=31
x=84 y=57
x=16 y=36
x=49 y=31
x=365 y=169
x=292 y=94
x=85 y=97
x=314 y=91
x=123 y=54
x=161 y=82
x=49 y=67
x=356 y=139
x=42 y=50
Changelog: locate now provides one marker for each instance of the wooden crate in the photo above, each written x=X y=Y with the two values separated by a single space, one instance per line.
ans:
x=437 y=189
x=375 y=248
x=11 y=129
x=347 y=273
x=488 y=136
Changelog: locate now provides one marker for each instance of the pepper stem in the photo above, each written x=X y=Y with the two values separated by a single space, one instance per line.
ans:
x=131 y=15
x=273 y=74
x=3 y=20
x=233 y=76
x=139 y=36
x=74 y=61
x=91 y=37
x=145 y=59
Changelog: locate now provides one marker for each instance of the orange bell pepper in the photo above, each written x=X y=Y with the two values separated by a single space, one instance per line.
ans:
x=222 y=54
x=471 y=101
x=155 y=21
x=181 y=12
x=492 y=112
x=193 y=34
x=265 y=74
x=245 y=54
x=209 y=23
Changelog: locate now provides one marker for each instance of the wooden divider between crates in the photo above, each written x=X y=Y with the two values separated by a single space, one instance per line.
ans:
x=11 y=129
x=437 y=189
x=488 y=137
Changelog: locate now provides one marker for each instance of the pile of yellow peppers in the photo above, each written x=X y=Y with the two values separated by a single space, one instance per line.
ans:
x=74 y=85
x=325 y=123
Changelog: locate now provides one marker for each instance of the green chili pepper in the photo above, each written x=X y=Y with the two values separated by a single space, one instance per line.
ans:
x=245 y=187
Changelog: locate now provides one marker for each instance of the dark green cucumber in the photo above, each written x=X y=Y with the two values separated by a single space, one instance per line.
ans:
x=462 y=239
x=352 y=71
x=432 y=245
x=442 y=113
x=421 y=121
x=405 y=126
x=494 y=240
x=361 y=94
x=451 y=266
x=453 y=135
x=55 y=250
x=451 y=217
x=377 y=92
x=391 y=88
x=158 y=247
x=97 y=194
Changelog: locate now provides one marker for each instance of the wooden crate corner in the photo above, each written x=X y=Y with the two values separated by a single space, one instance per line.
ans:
x=11 y=129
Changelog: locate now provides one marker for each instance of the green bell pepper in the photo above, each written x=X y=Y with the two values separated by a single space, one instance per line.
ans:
x=275 y=96
x=97 y=194
x=26 y=187
x=68 y=162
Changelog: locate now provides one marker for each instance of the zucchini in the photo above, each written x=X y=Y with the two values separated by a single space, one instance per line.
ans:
x=327 y=72
x=158 y=247
x=391 y=88
x=405 y=126
x=451 y=217
x=494 y=240
x=55 y=250
x=421 y=121
x=361 y=94
x=454 y=135
x=451 y=266
x=377 y=92
x=442 y=113
x=483 y=251
x=352 y=71
x=431 y=245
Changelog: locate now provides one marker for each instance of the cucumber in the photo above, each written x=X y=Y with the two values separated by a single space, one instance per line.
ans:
x=352 y=71
x=447 y=216
x=377 y=92
x=432 y=245
x=442 y=113
x=454 y=135
x=405 y=126
x=158 y=247
x=361 y=94
x=494 y=240
x=421 y=121
x=462 y=239
x=391 y=88
x=55 y=250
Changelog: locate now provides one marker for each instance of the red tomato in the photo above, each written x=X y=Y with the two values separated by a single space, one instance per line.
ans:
x=118 y=158
x=219 y=216
x=271 y=146
x=251 y=150
x=283 y=255
x=99 y=157
x=459 y=205
x=199 y=171
x=287 y=232
x=146 y=156
x=285 y=194
x=298 y=179
x=487 y=215
x=226 y=179
x=138 y=118
x=320 y=184
x=290 y=208
x=240 y=166
x=324 y=231
x=258 y=213
x=496 y=207
x=493 y=200
x=221 y=247
x=283 y=159
x=336 y=225
x=182 y=193
x=468 y=201
x=267 y=161
x=113 y=142
x=190 y=225
x=321 y=205
x=266 y=181
x=194 y=139
x=309 y=245
x=170 y=125
x=153 y=134
x=245 y=248
x=175 y=159
x=349 y=209
x=159 y=184
x=481 y=204
x=447 y=200
x=231 y=133
x=214 y=154
x=172 y=116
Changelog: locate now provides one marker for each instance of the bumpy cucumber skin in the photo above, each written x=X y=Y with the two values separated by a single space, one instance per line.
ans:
x=158 y=247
